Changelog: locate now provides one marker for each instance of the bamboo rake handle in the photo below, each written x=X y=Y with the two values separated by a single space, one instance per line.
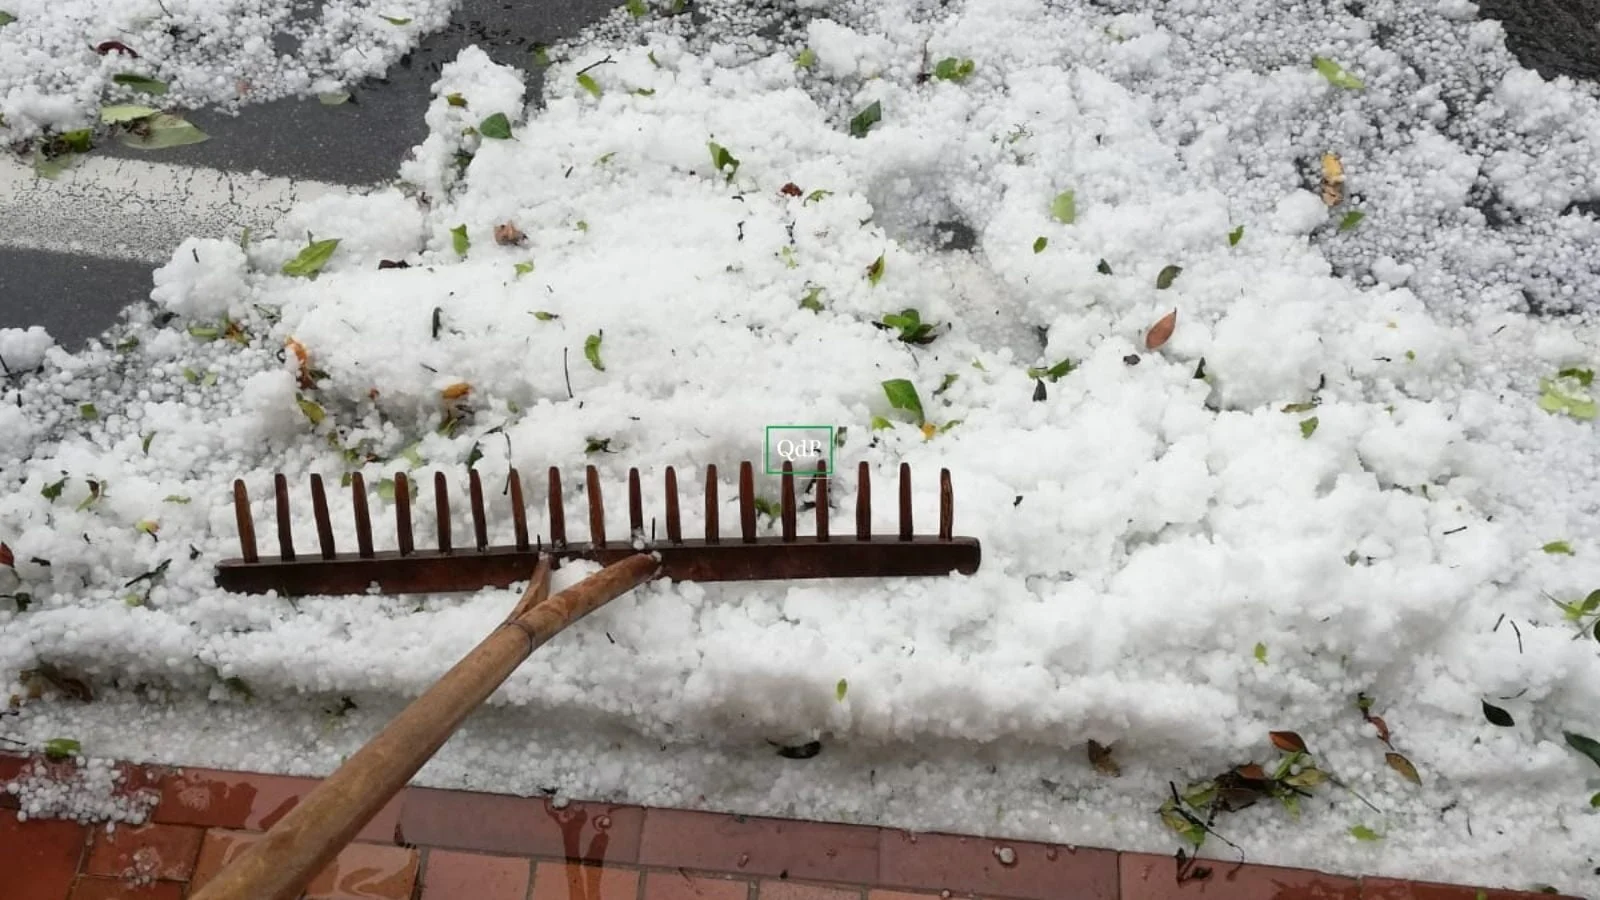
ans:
x=302 y=843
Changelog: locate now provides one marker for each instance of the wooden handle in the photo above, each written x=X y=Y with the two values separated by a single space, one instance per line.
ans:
x=303 y=842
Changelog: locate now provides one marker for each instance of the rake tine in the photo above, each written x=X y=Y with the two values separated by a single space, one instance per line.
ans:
x=247 y=525
x=822 y=501
x=597 y=510
x=635 y=506
x=713 y=527
x=280 y=490
x=319 y=509
x=441 y=500
x=519 y=513
x=747 y=502
x=863 y=503
x=480 y=523
x=947 y=506
x=786 y=501
x=558 y=516
x=402 y=512
x=674 y=527
x=358 y=499
x=905 y=501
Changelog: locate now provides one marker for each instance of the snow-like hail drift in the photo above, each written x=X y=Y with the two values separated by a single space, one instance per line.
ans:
x=1335 y=479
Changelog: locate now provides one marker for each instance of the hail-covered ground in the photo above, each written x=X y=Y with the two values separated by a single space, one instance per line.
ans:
x=1354 y=482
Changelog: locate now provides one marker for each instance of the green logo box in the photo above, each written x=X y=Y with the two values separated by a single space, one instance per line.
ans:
x=803 y=446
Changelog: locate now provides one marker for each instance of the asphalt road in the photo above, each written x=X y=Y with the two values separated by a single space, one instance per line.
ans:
x=77 y=296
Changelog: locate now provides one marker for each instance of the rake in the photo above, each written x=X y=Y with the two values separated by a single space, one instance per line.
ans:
x=309 y=836
x=712 y=557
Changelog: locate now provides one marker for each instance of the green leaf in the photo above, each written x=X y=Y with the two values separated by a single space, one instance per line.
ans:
x=875 y=271
x=1584 y=377
x=723 y=160
x=413 y=456
x=1235 y=236
x=475 y=454
x=145 y=526
x=96 y=491
x=1554 y=398
x=806 y=59
x=949 y=379
x=815 y=197
x=643 y=92
x=161 y=131
x=308 y=262
x=863 y=121
x=902 y=394
x=1336 y=74
x=88 y=411
x=144 y=442
x=1053 y=373
x=52 y=491
x=61 y=748
x=810 y=300
x=118 y=113
x=587 y=82
x=1594 y=802
x=597 y=445
x=1587 y=746
x=1167 y=276
x=1351 y=220
x=952 y=69
x=176 y=498
x=1039 y=243
x=879 y=423
x=523 y=268
x=638 y=9
x=191 y=375
x=840 y=689
x=541 y=55
x=142 y=83
x=238 y=686
x=1104 y=268
x=312 y=410
x=1261 y=653
x=459 y=239
x=1064 y=208
x=6 y=18
x=1558 y=547
x=395 y=20
x=591 y=350
x=455 y=100
x=543 y=316
x=1308 y=427
x=1497 y=716
x=334 y=98
x=1363 y=833
x=51 y=167
x=581 y=225
x=386 y=489
x=1307 y=406
x=496 y=126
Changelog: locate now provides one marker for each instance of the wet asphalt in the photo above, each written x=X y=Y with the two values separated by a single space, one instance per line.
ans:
x=363 y=141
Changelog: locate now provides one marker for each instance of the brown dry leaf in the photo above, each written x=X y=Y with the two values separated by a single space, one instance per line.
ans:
x=1287 y=741
x=456 y=391
x=372 y=394
x=1403 y=766
x=508 y=235
x=791 y=189
x=1252 y=771
x=1161 y=332
x=6 y=557
x=1382 y=726
x=1100 y=757
x=47 y=675
x=1332 y=179
x=304 y=359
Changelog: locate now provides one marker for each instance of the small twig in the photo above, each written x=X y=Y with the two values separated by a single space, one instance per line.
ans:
x=1335 y=780
x=566 y=372
x=1519 y=634
x=594 y=65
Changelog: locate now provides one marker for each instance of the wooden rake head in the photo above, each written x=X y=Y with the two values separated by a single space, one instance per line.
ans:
x=711 y=558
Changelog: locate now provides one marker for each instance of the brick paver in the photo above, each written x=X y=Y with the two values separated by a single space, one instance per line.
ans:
x=441 y=845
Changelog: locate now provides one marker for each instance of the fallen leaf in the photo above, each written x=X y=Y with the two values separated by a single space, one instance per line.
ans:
x=304 y=358
x=508 y=235
x=1586 y=745
x=1287 y=741
x=1100 y=758
x=1403 y=766
x=791 y=190
x=1497 y=716
x=1252 y=771
x=105 y=47
x=6 y=557
x=1363 y=833
x=456 y=391
x=1167 y=276
x=1332 y=179
x=1161 y=332
x=1382 y=726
